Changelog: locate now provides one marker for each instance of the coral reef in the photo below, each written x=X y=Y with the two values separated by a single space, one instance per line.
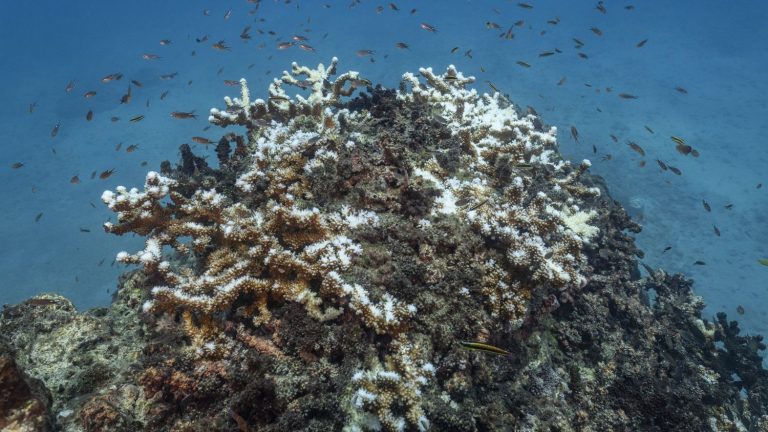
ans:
x=323 y=276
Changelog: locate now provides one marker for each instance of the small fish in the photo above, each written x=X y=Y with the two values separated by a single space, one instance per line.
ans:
x=126 y=98
x=112 y=77
x=245 y=35
x=492 y=25
x=70 y=86
x=106 y=174
x=284 y=45
x=629 y=7
x=150 y=56
x=118 y=146
x=231 y=83
x=93 y=175
x=555 y=21
x=493 y=87
x=681 y=146
x=614 y=138
x=306 y=47
x=55 y=130
x=38 y=217
x=582 y=55
x=75 y=180
x=634 y=146
x=763 y=261
x=114 y=119
x=17 y=165
x=508 y=35
x=546 y=53
x=578 y=43
x=131 y=148
x=365 y=53
x=454 y=49
x=701 y=263
x=221 y=46
x=596 y=31
x=627 y=96
x=728 y=206
x=759 y=185
x=32 y=107
x=706 y=205
x=675 y=170
x=164 y=94
x=681 y=90
x=649 y=129
x=136 y=119
x=525 y=5
x=202 y=140
x=137 y=83
x=600 y=7
x=169 y=76
x=228 y=14
x=89 y=94
x=740 y=310
x=183 y=115
x=201 y=39
x=165 y=42
x=716 y=230
x=299 y=38
x=641 y=43
x=523 y=64
x=428 y=27
x=484 y=347
x=401 y=45
x=562 y=81
x=662 y=165
x=40 y=302
x=575 y=133
x=468 y=53
x=393 y=7
x=89 y=115
x=666 y=249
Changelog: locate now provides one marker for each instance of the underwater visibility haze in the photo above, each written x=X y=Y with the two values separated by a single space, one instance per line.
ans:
x=355 y=215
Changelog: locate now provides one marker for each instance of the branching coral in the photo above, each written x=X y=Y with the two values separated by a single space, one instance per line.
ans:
x=248 y=256
x=389 y=398
x=542 y=231
x=247 y=247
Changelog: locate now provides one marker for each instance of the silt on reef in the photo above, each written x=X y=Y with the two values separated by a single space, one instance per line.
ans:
x=323 y=276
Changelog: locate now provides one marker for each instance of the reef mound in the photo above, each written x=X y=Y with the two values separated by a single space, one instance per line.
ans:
x=324 y=276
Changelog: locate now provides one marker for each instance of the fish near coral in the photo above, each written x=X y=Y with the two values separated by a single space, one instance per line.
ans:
x=484 y=347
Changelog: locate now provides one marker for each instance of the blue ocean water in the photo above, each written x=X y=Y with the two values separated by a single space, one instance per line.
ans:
x=51 y=231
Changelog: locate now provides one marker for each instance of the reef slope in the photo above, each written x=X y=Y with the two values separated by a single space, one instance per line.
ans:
x=324 y=275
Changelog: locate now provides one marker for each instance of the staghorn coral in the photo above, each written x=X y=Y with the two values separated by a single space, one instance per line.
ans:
x=262 y=242
x=542 y=231
x=389 y=398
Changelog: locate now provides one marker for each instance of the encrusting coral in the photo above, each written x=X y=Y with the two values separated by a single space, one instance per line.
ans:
x=324 y=275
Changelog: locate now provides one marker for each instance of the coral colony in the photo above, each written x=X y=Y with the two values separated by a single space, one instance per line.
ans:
x=326 y=274
x=270 y=243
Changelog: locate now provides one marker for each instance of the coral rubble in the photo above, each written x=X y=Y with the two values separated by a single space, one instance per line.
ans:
x=323 y=275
